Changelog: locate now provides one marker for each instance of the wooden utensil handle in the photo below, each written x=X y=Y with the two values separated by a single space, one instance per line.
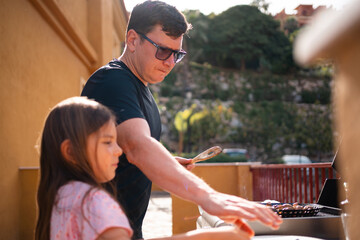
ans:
x=207 y=154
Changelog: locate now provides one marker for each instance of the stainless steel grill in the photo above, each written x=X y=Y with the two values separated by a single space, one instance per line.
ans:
x=325 y=225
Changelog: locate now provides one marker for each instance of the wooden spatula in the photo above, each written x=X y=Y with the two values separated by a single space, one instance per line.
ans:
x=207 y=154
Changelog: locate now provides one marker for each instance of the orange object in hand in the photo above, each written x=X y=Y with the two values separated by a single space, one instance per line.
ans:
x=244 y=227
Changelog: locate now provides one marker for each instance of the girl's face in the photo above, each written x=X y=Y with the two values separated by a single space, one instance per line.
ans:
x=103 y=152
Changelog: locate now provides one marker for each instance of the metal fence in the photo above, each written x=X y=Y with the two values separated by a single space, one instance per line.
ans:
x=290 y=183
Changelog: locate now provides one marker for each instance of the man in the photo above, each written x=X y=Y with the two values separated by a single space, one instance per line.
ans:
x=153 y=47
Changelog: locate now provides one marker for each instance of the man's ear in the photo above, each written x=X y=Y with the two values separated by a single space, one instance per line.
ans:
x=132 y=39
x=67 y=151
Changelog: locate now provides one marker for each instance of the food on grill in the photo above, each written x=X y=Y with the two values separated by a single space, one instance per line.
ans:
x=294 y=206
x=268 y=201
x=293 y=210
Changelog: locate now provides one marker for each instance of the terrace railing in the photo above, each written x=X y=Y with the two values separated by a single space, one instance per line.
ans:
x=290 y=183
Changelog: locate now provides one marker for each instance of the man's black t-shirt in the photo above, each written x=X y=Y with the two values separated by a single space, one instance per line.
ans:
x=116 y=87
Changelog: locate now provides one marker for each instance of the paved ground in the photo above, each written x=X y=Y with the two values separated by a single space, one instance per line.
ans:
x=158 y=218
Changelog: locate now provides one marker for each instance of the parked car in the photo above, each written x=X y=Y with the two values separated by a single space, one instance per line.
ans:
x=295 y=159
x=237 y=152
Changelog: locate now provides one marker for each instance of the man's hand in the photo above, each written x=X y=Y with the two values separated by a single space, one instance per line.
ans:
x=232 y=209
x=186 y=162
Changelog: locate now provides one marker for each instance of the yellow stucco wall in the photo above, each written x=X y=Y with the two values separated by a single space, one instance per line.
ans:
x=48 y=50
x=27 y=207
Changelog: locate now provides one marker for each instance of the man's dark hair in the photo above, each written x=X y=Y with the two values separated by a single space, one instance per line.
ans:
x=146 y=15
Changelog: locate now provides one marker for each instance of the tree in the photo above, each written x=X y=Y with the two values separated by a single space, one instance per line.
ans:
x=262 y=5
x=242 y=37
x=198 y=37
x=291 y=25
x=182 y=124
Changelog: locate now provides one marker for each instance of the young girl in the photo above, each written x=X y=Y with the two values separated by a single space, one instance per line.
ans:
x=78 y=154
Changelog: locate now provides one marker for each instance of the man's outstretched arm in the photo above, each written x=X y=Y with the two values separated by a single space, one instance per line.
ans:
x=164 y=170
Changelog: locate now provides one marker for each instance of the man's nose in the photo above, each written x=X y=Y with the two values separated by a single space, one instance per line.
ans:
x=170 y=61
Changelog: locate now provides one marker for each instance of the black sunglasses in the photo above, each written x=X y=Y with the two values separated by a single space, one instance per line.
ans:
x=163 y=53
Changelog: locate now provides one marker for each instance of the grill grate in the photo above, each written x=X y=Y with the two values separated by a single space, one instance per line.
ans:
x=287 y=210
x=297 y=213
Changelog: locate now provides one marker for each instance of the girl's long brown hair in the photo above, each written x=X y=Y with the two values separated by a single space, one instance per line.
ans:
x=74 y=119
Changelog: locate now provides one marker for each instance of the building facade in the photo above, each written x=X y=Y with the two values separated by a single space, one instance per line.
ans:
x=48 y=50
x=304 y=14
